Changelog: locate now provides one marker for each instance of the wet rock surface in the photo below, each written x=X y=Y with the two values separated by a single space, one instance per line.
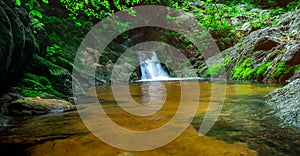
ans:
x=286 y=102
x=38 y=106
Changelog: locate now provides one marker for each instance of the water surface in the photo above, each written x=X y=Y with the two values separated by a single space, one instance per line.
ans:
x=246 y=126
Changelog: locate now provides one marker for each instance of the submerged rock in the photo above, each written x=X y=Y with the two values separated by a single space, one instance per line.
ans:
x=38 y=106
x=286 y=102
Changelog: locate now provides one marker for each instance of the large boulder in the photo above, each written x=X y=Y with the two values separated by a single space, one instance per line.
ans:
x=17 y=41
x=286 y=102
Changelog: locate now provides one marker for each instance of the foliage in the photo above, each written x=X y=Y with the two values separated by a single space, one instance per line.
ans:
x=35 y=11
x=215 y=69
x=293 y=5
x=68 y=27
x=53 y=52
x=258 y=3
x=261 y=69
x=283 y=69
x=244 y=70
x=98 y=9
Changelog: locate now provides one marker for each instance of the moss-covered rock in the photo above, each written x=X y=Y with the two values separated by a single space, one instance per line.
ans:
x=33 y=85
x=271 y=54
x=17 y=41
x=50 y=78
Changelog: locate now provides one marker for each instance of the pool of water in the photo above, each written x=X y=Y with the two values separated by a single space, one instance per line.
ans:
x=245 y=126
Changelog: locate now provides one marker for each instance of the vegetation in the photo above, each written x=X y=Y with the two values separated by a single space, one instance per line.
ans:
x=36 y=85
x=68 y=23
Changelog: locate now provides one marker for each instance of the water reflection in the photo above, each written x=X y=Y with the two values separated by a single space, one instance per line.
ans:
x=244 y=123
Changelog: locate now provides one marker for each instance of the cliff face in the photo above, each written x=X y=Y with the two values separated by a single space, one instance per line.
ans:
x=18 y=42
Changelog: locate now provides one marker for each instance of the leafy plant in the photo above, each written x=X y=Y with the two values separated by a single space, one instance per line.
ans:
x=243 y=71
x=35 y=11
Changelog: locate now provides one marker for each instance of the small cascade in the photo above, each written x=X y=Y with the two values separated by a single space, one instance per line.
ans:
x=151 y=67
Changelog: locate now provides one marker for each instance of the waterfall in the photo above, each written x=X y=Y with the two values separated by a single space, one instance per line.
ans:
x=151 y=67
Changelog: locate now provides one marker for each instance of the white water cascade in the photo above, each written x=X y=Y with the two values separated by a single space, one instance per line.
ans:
x=151 y=68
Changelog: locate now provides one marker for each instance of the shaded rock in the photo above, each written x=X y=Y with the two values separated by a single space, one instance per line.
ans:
x=292 y=54
x=265 y=43
x=60 y=78
x=3 y=121
x=286 y=102
x=7 y=98
x=38 y=106
x=113 y=58
x=295 y=76
x=17 y=41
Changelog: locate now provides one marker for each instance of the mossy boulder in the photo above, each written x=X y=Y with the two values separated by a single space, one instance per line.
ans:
x=34 y=85
x=51 y=77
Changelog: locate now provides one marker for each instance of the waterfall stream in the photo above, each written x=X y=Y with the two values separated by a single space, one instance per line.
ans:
x=151 y=67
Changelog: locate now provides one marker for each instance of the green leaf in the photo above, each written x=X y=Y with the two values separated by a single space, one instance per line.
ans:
x=35 y=13
x=45 y=1
x=18 y=2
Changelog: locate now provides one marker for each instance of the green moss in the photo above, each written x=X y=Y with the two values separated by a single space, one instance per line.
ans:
x=283 y=69
x=261 y=69
x=215 y=69
x=228 y=60
x=296 y=69
x=280 y=69
x=33 y=85
x=244 y=71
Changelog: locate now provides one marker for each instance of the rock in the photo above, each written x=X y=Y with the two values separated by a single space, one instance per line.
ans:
x=246 y=27
x=265 y=55
x=286 y=102
x=3 y=121
x=47 y=96
x=292 y=54
x=291 y=22
x=260 y=11
x=17 y=41
x=60 y=78
x=7 y=98
x=38 y=106
x=294 y=77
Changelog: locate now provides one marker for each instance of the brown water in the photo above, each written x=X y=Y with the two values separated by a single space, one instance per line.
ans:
x=246 y=126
